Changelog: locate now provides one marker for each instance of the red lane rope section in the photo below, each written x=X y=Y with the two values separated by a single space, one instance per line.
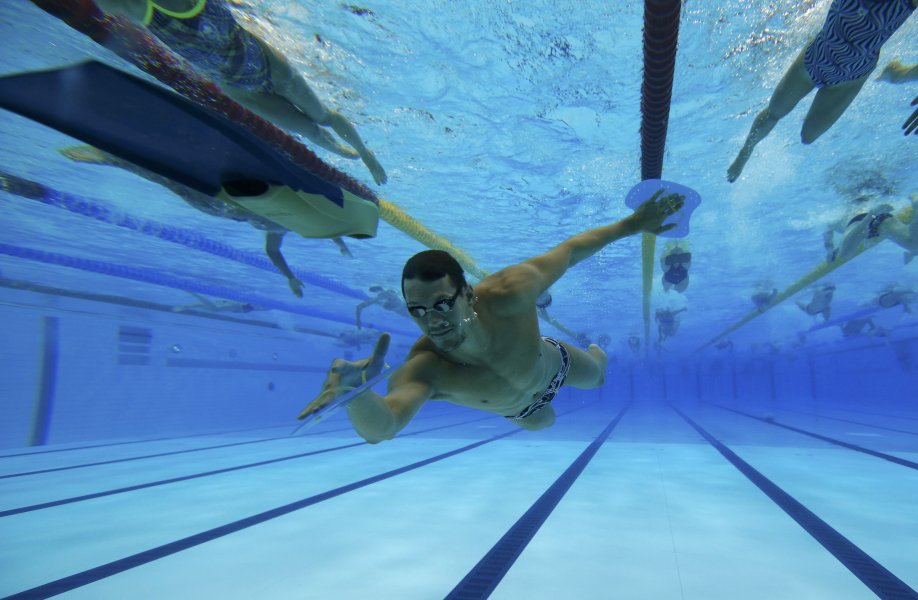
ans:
x=137 y=46
x=661 y=35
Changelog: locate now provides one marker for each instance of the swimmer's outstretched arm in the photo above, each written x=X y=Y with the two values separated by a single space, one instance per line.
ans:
x=536 y=275
x=377 y=418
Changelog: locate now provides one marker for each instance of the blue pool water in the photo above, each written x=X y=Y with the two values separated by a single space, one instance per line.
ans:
x=153 y=362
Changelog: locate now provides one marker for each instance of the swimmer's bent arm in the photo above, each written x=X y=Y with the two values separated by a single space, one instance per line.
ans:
x=377 y=418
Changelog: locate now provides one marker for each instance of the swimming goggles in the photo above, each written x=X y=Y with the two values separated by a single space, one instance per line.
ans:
x=441 y=306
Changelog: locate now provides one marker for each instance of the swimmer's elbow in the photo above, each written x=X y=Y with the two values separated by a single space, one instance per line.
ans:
x=375 y=437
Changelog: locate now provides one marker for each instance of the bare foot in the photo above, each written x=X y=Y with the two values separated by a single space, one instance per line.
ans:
x=379 y=174
x=736 y=169
x=891 y=72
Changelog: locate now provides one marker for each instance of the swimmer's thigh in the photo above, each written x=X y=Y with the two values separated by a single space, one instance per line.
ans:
x=829 y=104
x=587 y=370
x=792 y=88
x=542 y=418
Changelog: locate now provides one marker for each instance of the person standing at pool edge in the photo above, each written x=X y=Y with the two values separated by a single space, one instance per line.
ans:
x=480 y=346
x=248 y=69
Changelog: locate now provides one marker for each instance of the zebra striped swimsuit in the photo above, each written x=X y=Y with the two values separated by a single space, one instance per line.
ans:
x=848 y=46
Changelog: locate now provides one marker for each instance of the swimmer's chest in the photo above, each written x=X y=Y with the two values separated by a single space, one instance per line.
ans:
x=506 y=377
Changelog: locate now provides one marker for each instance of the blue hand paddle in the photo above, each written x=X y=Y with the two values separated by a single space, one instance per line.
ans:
x=647 y=188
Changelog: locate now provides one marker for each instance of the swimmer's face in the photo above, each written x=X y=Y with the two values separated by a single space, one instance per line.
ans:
x=440 y=310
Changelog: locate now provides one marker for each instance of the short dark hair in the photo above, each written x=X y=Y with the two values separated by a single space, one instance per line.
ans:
x=431 y=265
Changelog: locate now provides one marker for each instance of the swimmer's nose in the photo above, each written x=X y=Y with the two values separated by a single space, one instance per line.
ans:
x=436 y=320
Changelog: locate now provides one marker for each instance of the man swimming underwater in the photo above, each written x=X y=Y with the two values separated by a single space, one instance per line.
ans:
x=481 y=346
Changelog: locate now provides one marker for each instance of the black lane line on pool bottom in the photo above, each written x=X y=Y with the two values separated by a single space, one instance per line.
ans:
x=72 y=582
x=855 y=447
x=175 y=452
x=491 y=569
x=261 y=463
x=831 y=418
x=140 y=441
x=874 y=575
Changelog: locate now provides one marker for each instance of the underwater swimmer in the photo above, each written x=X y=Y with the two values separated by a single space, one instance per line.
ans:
x=205 y=33
x=274 y=233
x=880 y=223
x=481 y=346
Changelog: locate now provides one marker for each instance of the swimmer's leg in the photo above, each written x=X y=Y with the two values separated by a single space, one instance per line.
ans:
x=293 y=87
x=285 y=115
x=793 y=87
x=540 y=419
x=829 y=104
x=588 y=368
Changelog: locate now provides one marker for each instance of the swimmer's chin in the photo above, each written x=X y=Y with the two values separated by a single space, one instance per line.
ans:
x=446 y=343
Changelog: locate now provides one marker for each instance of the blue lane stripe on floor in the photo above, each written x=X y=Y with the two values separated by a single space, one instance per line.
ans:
x=893 y=459
x=874 y=575
x=72 y=582
x=490 y=570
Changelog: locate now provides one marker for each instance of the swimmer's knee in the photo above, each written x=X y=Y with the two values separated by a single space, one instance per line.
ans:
x=808 y=138
x=543 y=419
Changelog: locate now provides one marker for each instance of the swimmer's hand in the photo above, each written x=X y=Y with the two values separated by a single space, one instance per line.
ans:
x=650 y=215
x=911 y=123
x=296 y=286
x=344 y=375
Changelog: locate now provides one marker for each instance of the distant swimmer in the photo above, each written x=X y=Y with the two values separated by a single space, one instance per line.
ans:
x=838 y=61
x=879 y=224
x=857 y=327
x=542 y=303
x=634 y=344
x=896 y=72
x=763 y=295
x=248 y=69
x=820 y=303
x=216 y=306
x=604 y=340
x=897 y=295
x=724 y=345
x=667 y=323
x=274 y=233
x=481 y=346
x=386 y=298
x=675 y=262
x=356 y=338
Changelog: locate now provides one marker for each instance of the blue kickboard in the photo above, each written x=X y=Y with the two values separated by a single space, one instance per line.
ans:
x=153 y=127
x=647 y=188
